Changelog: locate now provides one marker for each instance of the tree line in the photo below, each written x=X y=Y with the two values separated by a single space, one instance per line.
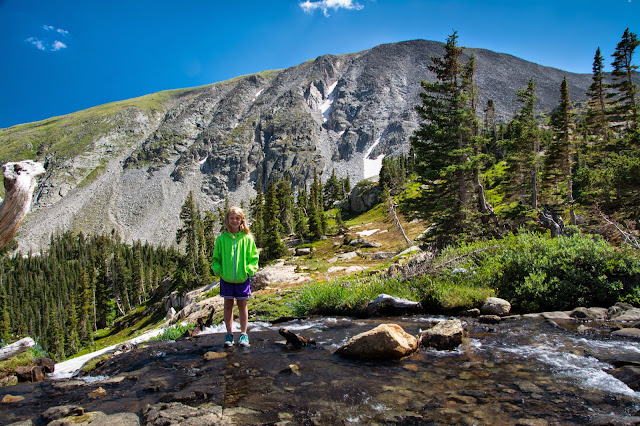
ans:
x=79 y=285
x=482 y=178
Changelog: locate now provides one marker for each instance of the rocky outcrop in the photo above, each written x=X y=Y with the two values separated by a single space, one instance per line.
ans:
x=386 y=341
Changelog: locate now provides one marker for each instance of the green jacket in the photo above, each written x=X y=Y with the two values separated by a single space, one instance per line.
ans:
x=235 y=257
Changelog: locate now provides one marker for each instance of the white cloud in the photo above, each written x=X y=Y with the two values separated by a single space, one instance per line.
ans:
x=57 y=45
x=37 y=43
x=44 y=43
x=324 y=5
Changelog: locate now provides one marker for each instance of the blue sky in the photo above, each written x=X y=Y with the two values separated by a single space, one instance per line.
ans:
x=63 y=56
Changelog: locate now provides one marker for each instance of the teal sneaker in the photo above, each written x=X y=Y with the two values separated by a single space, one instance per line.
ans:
x=228 y=340
x=244 y=340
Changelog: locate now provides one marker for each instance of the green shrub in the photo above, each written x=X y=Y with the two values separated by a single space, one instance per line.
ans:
x=173 y=332
x=540 y=273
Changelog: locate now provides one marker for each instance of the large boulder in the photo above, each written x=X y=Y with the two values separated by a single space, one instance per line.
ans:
x=445 y=335
x=495 y=306
x=363 y=196
x=386 y=341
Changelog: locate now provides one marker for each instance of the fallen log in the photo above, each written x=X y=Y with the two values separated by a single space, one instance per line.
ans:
x=16 y=348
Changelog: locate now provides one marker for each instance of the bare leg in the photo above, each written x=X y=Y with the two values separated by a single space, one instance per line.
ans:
x=228 y=314
x=243 y=315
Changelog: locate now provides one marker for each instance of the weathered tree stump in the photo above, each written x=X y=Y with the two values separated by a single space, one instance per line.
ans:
x=295 y=341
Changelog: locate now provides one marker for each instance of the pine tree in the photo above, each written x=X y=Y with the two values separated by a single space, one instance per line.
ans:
x=273 y=247
x=559 y=159
x=257 y=213
x=300 y=214
x=318 y=196
x=285 y=201
x=596 y=116
x=103 y=288
x=189 y=232
x=524 y=148
x=442 y=146
x=625 y=105
x=332 y=190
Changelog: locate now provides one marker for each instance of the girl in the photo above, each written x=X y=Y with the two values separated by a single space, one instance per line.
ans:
x=235 y=259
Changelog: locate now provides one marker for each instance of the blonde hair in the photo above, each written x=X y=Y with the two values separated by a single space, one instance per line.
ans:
x=244 y=227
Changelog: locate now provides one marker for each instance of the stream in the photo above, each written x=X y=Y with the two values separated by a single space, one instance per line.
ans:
x=521 y=371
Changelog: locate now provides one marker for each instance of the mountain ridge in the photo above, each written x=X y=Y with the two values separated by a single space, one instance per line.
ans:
x=128 y=166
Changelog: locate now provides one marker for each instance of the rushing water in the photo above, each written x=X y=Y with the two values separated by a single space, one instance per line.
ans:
x=520 y=370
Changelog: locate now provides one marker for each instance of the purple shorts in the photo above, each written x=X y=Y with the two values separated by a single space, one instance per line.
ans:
x=238 y=291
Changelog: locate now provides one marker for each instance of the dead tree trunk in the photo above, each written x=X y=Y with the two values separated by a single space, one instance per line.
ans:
x=16 y=348
x=20 y=180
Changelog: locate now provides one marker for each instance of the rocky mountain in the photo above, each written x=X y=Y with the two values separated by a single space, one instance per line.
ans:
x=129 y=165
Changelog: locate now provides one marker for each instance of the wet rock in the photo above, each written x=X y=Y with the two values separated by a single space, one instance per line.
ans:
x=583 y=329
x=489 y=319
x=32 y=373
x=495 y=306
x=210 y=356
x=8 y=381
x=613 y=420
x=445 y=335
x=48 y=366
x=618 y=309
x=629 y=375
x=386 y=341
x=532 y=422
x=292 y=368
x=22 y=423
x=98 y=393
x=633 y=333
x=55 y=413
x=384 y=304
x=98 y=418
x=632 y=314
x=556 y=315
x=473 y=313
x=176 y=413
x=10 y=399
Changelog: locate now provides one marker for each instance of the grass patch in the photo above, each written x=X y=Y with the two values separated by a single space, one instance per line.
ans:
x=348 y=296
x=269 y=307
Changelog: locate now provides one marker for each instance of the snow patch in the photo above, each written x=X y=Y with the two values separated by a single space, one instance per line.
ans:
x=367 y=233
x=372 y=167
x=257 y=94
x=325 y=107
